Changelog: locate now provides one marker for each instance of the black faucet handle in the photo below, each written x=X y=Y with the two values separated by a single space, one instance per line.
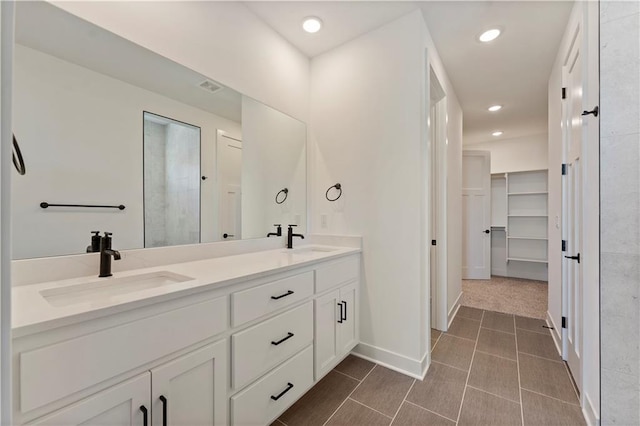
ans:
x=108 y=234
x=95 y=233
x=291 y=226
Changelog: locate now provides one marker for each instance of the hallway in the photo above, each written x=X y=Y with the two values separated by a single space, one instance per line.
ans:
x=527 y=298
x=489 y=369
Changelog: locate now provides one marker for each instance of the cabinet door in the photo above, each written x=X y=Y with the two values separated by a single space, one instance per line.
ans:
x=192 y=389
x=119 y=405
x=348 y=329
x=326 y=341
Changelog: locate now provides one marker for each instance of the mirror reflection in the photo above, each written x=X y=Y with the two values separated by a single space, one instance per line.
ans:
x=102 y=121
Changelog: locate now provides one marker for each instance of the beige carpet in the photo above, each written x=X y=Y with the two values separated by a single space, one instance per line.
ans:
x=526 y=298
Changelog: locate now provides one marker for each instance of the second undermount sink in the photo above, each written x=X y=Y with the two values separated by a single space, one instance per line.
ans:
x=98 y=290
x=310 y=250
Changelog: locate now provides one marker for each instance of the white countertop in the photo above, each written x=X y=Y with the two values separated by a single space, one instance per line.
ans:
x=32 y=313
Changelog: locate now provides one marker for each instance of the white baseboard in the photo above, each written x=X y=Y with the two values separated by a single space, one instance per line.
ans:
x=589 y=413
x=453 y=311
x=393 y=361
x=556 y=333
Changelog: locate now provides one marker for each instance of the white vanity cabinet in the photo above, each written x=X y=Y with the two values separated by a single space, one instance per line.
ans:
x=120 y=405
x=236 y=355
x=336 y=327
x=190 y=390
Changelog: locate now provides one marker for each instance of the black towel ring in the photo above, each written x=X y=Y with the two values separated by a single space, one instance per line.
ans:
x=338 y=187
x=284 y=191
x=18 y=162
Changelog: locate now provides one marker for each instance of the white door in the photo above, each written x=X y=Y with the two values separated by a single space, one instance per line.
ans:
x=327 y=315
x=126 y=404
x=191 y=390
x=348 y=322
x=476 y=215
x=572 y=211
x=229 y=154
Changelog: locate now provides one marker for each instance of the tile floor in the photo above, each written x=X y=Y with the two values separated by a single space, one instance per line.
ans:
x=489 y=369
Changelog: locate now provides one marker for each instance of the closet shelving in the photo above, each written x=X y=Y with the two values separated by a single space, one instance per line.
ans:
x=519 y=223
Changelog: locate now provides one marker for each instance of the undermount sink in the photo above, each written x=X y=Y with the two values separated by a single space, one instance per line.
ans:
x=109 y=287
x=310 y=250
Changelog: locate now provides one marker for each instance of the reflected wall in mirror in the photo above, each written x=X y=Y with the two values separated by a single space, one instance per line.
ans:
x=102 y=120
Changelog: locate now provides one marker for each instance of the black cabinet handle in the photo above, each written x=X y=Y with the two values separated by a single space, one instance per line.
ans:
x=145 y=415
x=577 y=257
x=341 y=314
x=288 y=293
x=345 y=310
x=281 y=394
x=164 y=409
x=289 y=336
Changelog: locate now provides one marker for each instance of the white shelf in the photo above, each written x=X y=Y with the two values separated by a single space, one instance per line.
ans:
x=526 y=238
x=526 y=260
x=529 y=193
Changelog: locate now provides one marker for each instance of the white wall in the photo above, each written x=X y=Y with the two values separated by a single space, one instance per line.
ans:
x=371 y=141
x=516 y=154
x=6 y=173
x=222 y=40
x=87 y=148
x=273 y=158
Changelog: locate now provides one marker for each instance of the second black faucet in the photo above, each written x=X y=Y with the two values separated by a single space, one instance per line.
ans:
x=290 y=236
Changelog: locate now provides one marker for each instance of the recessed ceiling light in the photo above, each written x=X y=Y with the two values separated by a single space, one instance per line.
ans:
x=497 y=133
x=489 y=35
x=495 y=108
x=311 y=24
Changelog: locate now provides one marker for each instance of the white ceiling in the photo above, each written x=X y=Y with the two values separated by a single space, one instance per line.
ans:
x=512 y=71
x=44 y=27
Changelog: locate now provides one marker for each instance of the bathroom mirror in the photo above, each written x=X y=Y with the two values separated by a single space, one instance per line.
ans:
x=105 y=122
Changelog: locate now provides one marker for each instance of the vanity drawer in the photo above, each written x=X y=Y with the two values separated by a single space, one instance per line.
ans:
x=336 y=273
x=255 y=302
x=79 y=363
x=255 y=405
x=259 y=348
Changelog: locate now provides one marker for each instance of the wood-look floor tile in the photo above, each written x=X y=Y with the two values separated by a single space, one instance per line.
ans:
x=411 y=415
x=464 y=327
x=497 y=343
x=495 y=375
x=354 y=414
x=546 y=377
x=440 y=391
x=540 y=410
x=481 y=409
x=317 y=405
x=537 y=344
x=498 y=321
x=383 y=390
x=531 y=324
x=454 y=351
x=355 y=367
x=471 y=313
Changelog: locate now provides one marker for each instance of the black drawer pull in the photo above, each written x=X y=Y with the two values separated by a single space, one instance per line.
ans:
x=145 y=415
x=341 y=309
x=345 y=310
x=289 y=336
x=164 y=409
x=281 y=394
x=288 y=293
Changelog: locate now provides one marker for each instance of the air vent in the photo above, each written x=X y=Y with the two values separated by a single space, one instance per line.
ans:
x=210 y=86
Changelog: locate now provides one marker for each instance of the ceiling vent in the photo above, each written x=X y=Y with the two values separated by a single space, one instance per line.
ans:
x=210 y=86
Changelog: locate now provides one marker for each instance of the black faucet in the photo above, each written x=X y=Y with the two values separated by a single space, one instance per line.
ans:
x=278 y=232
x=290 y=236
x=95 y=242
x=105 y=255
